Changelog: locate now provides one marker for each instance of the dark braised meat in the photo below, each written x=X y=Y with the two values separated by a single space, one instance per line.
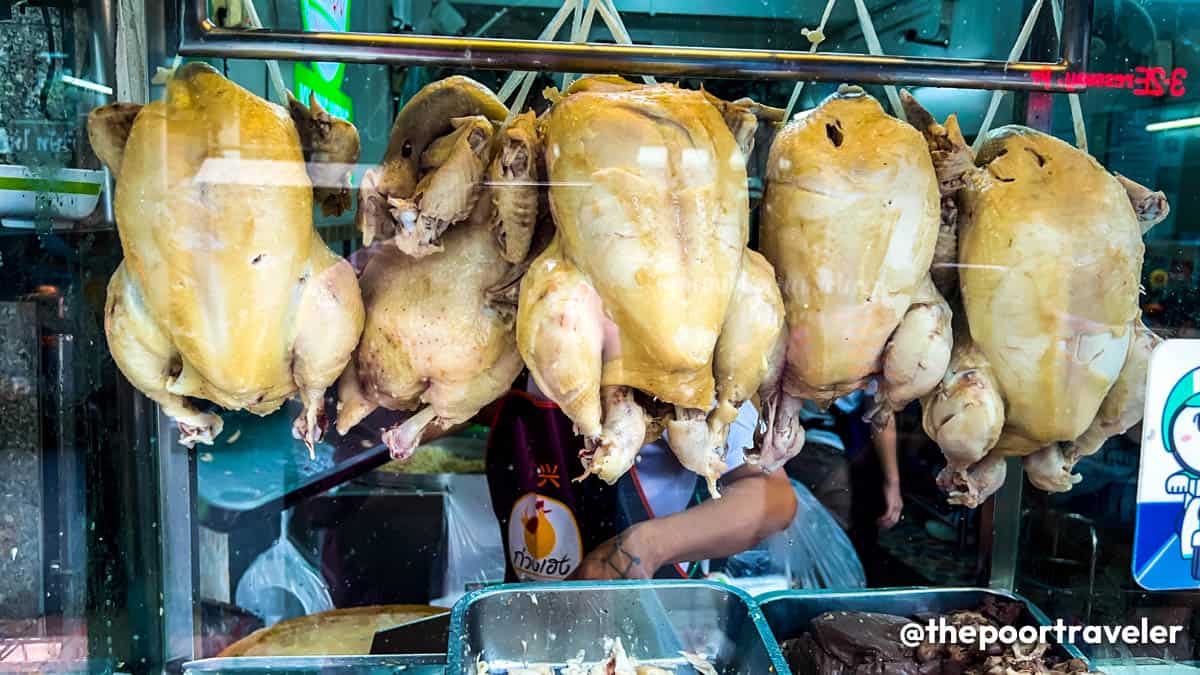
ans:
x=866 y=643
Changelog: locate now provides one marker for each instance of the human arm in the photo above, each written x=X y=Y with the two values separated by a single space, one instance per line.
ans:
x=753 y=505
x=884 y=440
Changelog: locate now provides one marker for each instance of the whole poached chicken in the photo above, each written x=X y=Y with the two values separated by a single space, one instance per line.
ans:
x=647 y=285
x=438 y=284
x=226 y=292
x=850 y=222
x=1051 y=358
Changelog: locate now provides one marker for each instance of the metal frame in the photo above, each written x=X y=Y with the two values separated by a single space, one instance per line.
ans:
x=203 y=38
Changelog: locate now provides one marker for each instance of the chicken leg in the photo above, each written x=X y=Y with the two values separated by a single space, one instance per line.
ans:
x=780 y=436
x=560 y=333
x=329 y=322
x=452 y=403
x=148 y=358
x=613 y=452
x=695 y=445
x=916 y=355
x=964 y=414
x=1050 y=468
x=970 y=487
x=1151 y=207
x=749 y=353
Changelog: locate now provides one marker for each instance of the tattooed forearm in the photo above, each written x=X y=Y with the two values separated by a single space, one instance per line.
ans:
x=620 y=559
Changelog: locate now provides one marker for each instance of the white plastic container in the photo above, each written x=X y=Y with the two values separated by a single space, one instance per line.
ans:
x=65 y=195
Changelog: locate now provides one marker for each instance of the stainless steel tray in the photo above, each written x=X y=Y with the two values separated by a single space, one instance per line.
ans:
x=789 y=613
x=414 y=664
x=546 y=624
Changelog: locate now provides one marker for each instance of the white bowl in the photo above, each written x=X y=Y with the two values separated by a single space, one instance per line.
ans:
x=60 y=194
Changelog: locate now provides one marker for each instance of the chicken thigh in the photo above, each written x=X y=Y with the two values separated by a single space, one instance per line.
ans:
x=1051 y=358
x=647 y=286
x=226 y=292
x=439 y=329
x=850 y=222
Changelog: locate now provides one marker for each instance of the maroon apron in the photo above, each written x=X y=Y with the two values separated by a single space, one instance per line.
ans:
x=548 y=522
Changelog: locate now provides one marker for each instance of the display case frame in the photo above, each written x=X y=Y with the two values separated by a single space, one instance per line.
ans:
x=202 y=37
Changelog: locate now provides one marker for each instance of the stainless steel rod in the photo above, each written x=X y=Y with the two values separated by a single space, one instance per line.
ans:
x=1076 y=33
x=203 y=38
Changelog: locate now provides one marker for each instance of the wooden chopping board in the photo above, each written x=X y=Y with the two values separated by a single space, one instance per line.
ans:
x=338 y=632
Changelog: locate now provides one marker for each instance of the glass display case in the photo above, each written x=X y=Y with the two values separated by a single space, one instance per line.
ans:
x=420 y=335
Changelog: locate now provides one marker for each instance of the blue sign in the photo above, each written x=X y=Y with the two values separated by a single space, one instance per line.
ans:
x=1166 y=546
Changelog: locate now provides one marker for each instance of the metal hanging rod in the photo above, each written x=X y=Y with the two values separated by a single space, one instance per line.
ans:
x=202 y=37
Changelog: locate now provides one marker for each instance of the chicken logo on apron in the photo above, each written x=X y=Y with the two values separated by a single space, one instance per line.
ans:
x=543 y=539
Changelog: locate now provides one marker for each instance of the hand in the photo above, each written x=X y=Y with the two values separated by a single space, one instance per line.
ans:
x=893 y=505
x=625 y=556
x=1177 y=484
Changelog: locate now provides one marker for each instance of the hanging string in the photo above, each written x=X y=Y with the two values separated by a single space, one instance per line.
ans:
x=873 y=46
x=816 y=38
x=1073 y=99
x=581 y=17
x=1013 y=55
x=518 y=103
x=612 y=20
x=580 y=34
x=548 y=33
x=276 y=77
x=616 y=26
x=577 y=27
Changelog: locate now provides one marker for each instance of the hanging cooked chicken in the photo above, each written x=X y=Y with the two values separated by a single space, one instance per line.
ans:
x=1052 y=359
x=226 y=292
x=850 y=222
x=429 y=179
x=648 y=285
x=439 y=329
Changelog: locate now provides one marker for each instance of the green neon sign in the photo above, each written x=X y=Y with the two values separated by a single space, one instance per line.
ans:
x=322 y=79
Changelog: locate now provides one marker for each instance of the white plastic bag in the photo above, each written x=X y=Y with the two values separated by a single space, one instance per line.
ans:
x=816 y=548
x=474 y=550
x=280 y=584
x=813 y=552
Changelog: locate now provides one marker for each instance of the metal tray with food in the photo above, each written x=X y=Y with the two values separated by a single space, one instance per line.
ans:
x=570 y=627
x=420 y=664
x=790 y=615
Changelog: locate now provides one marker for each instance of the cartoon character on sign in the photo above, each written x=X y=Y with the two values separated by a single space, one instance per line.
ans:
x=1181 y=436
x=539 y=533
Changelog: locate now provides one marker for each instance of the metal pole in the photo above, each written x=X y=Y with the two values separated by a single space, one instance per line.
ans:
x=178 y=545
x=133 y=83
x=1076 y=34
x=102 y=50
x=1006 y=528
x=204 y=38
